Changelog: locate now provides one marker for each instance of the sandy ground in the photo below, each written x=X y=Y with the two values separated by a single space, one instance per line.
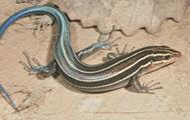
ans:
x=51 y=99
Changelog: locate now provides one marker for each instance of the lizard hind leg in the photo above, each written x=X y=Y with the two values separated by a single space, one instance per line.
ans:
x=33 y=66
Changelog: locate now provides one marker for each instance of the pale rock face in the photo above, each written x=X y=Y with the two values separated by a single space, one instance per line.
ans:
x=125 y=15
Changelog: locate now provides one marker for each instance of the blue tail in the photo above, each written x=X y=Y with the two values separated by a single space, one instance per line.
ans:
x=20 y=14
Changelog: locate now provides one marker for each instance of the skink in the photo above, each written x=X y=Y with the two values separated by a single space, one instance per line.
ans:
x=113 y=74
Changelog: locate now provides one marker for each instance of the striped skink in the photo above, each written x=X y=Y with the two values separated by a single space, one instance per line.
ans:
x=113 y=74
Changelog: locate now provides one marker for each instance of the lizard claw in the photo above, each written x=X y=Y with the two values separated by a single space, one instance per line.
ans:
x=38 y=68
x=104 y=40
x=32 y=69
x=150 y=86
x=113 y=55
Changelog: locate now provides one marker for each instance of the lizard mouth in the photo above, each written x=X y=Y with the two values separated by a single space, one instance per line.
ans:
x=177 y=54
